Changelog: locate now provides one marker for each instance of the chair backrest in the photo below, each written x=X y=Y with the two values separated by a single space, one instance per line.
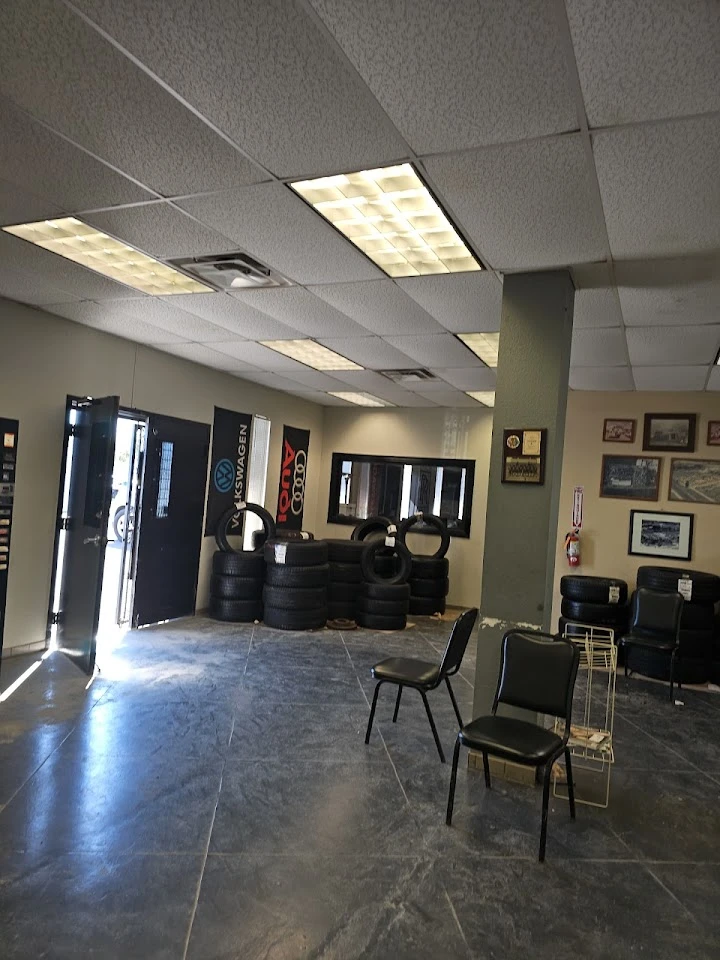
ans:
x=459 y=636
x=655 y=613
x=537 y=672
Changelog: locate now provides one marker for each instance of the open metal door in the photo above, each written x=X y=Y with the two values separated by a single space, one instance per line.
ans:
x=85 y=523
x=171 y=517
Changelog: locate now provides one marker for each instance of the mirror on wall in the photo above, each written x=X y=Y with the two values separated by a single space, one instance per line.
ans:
x=363 y=486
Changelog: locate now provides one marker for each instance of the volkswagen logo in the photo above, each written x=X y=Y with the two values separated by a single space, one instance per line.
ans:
x=224 y=476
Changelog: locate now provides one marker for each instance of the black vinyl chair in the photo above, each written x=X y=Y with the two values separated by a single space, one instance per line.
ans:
x=424 y=676
x=655 y=625
x=537 y=672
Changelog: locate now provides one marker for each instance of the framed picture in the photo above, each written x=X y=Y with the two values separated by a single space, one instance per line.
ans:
x=655 y=534
x=713 y=438
x=524 y=456
x=630 y=478
x=670 y=431
x=694 y=481
x=619 y=431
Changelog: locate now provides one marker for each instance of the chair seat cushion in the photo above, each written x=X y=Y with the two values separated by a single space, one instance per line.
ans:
x=640 y=639
x=406 y=670
x=512 y=739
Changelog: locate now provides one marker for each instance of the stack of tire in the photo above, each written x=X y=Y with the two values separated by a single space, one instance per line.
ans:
x=429 y=583
x=344 y=578
x=238 y=577
x=372 y=528
x=594 y=601
x=296 y=578
x=697 y=625
x=384 y=602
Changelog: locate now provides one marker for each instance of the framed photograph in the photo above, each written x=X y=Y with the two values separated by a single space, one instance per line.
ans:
x=630 y=478
x=694 y=481
x=655 y=534
x=619 y=431
x=713 y=438
x=670 y=431
x=524 y=456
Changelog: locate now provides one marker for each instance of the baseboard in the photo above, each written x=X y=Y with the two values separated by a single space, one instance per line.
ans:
x=39 y=646
x=504 y=769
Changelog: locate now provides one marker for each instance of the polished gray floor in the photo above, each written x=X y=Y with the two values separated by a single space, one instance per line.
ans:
x=210 y=796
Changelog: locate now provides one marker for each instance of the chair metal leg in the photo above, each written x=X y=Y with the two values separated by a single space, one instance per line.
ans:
x=453 y=778
x=372 y=710
x=570 y=784
x=397 y=703
x=454 y=701
x=546 y=798
x=672 y=675
x=486 y=768
x=432 y=726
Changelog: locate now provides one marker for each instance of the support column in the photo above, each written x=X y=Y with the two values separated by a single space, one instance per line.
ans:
x=522 y=519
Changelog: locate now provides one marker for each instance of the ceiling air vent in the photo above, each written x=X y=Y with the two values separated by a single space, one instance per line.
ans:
x=408 y=376
x=231 y=271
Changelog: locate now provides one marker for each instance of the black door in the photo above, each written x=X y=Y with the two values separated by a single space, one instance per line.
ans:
x=171 y=515
x=86 y=522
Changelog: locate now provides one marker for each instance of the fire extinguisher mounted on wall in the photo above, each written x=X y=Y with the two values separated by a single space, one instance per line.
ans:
x=572 y=547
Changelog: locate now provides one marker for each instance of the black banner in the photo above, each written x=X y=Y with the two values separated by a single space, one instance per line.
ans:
x=229 y=464
x=8 y=463
x=293 y=468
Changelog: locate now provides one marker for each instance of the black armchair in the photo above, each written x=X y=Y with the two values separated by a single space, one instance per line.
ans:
x=655 y=625
x=537 y=672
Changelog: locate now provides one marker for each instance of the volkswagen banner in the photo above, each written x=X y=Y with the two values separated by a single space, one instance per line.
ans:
x=229 y=464
x=293 y=467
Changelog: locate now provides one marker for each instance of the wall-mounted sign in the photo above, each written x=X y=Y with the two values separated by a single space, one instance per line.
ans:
x=524 y=456
x=8 y=461
x=293 y=470
x=228 y=466
x=577 y=510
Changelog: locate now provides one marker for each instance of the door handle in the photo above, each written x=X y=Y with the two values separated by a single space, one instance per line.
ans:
x=95 y=540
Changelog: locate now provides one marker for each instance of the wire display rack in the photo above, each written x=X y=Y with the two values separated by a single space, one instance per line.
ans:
x=591 y=733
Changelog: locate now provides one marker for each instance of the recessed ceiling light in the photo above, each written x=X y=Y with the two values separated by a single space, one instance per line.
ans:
x=486 y=397
x=312 y=354
x=391 y=216
x=483 y=345
x=83 y=244
x=361 y=399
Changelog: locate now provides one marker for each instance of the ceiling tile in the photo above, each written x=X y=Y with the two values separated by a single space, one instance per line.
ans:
x=318 y=396
x=468 y=378
x=450 y=398
x=302 y=311
x=640 y=60
x=366 y=380
x=525 y=205
x=198 y=353
x=658 y=346
x=128 y=327
x=161 y=231
x=265 y=74
x=273 y=381
x=714 y=381
x=441 y=350
x=315 y=380
x=233 y=314
x=460 y=74
x=274 y=225
x=407 y=399
x=370 y=352
x=19 y=206
x=599 y=348
x=670 y=378
x=163 y=313
x=669 y=291
x=257 y=355
x=596 y=302
x=28 y=288
x=380 y=306
x=460 y=302
x=660 y=188
x=44 y=163
x=601 y=378
x=63 y=72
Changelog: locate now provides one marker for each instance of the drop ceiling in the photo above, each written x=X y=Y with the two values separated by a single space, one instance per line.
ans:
x=580 y=134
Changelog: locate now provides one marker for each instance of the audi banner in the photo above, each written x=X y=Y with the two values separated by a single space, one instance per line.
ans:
x=229 y=465
x=291 y=495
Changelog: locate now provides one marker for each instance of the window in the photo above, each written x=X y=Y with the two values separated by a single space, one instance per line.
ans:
x=257 y=476
x=163 y=497
x=396 y=487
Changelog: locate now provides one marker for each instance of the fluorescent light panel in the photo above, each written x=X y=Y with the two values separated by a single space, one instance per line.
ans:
x=312 y=354
x=83 y=244
x=483 y=345
x=361 y=399
x=486 y=397
x=391 y=216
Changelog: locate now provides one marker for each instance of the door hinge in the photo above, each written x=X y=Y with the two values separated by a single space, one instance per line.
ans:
x=57 y=618
x=65 y=523
x=72 y=430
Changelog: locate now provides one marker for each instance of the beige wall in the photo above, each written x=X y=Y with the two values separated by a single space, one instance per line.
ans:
x=426 y=432
x=604 y=538
x=44 y=358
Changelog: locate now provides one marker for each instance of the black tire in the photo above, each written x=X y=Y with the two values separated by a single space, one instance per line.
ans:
x=385 y=563
x=385 y=591
x=705 y=589
x=120 y=523
x=259 y=537
x=278 y=575
x=432 y=521
x=236 y=588
x=600 y=614
x=221 y=537
x=239 y=564
x=429 y=588
x=426 y=606
x=235 y=611
x=697 y=616
x=374 y=622
x=382 y=608
x=592 y=589
x=282 y=619
x=345 y=551
x=297 y=553
x=696 y=644
x=295 y=598
x=651 y=663
x=371 y=525
x=345 y=572
x=429 y=568
x=715 y=672
x=340 y=592
x=368 y=563
x=341 y=610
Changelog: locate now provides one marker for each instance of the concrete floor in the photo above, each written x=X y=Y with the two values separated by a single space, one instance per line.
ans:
x=210 y=796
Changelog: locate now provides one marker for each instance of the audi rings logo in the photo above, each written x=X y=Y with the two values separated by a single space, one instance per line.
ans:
x=297 y=498
x=224 y=475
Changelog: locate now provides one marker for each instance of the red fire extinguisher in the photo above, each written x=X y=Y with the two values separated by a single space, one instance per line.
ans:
x=572 y=547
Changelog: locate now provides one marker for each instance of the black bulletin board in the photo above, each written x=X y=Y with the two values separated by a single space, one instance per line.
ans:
x=9 y=430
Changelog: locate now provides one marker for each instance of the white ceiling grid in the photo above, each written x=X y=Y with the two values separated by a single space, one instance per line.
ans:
x=581 y=134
